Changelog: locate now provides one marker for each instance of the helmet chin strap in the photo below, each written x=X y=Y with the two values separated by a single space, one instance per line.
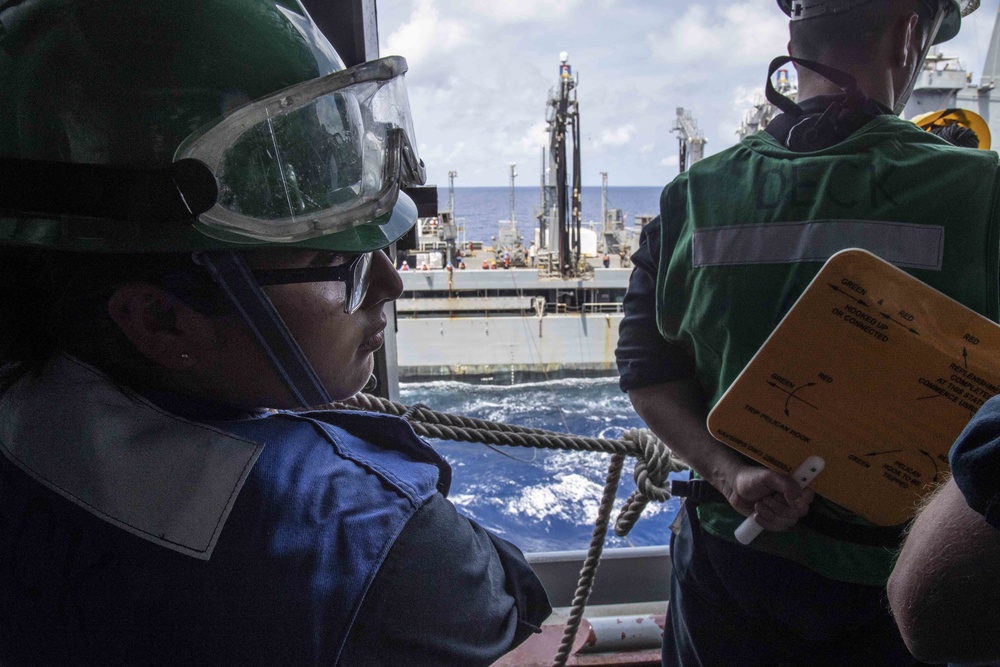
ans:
x=230 y=272
x=844 y=113
x=853 y=95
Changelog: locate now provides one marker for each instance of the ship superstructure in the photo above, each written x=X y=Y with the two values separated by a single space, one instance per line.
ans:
x=504 y=313
x=945 y=83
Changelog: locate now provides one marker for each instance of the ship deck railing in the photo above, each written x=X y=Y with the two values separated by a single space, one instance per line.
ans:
x=522 y=306
x=602 y=307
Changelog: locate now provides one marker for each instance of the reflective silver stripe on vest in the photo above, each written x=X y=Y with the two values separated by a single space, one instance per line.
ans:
x=900 y=243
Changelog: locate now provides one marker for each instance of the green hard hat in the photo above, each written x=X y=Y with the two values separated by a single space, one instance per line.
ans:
x=122 y=85
x=952 y=23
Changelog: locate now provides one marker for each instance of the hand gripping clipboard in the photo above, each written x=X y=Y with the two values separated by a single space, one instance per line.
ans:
x=873 y=371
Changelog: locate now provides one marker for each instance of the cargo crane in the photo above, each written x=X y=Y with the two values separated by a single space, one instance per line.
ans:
x=691 y=141
x=561 y=202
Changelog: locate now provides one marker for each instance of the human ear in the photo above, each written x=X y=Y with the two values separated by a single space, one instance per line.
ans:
x=160 y=326
x=907 y=46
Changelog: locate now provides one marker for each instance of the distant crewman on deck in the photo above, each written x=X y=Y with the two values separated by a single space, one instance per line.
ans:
x=739 y=237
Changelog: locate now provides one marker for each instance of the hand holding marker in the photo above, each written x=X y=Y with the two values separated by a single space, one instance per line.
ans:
x=804 y=474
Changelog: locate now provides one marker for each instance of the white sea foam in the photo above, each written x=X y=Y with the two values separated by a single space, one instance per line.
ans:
x=572 y=498
x=540 y=499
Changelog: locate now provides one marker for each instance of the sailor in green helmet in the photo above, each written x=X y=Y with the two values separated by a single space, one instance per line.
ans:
x=739 y=237
x=194 y=199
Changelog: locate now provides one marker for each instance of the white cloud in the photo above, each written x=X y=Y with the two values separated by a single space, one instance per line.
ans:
x=619 y=136
x=744 y=98
x=744 y=33
x=536 y=137
x=480 y=72
x=425 y=35
x=521 y=11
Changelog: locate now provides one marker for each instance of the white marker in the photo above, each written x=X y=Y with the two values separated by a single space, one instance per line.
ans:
x=804 y=474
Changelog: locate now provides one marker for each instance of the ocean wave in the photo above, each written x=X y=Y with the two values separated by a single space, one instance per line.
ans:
x=572 y=498
x=438 y=386
x=540 y=499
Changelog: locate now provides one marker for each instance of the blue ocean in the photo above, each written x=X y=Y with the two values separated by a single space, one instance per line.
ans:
x=539 y=499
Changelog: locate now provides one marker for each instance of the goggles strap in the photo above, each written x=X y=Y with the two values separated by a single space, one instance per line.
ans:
x=230 y=272
x=179 y=192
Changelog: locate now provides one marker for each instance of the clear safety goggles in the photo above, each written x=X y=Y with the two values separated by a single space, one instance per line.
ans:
x=313 y=159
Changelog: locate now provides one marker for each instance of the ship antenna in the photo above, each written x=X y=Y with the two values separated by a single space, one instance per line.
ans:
x=513 y=175
x=451 y=192
x=604 y=206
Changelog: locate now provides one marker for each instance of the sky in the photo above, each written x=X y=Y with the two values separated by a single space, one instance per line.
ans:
x=481 y=71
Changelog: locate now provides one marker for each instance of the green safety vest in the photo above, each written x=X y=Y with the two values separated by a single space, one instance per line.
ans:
x=745 y=231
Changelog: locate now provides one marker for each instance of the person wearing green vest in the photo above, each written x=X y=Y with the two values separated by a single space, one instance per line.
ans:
x=739 y=237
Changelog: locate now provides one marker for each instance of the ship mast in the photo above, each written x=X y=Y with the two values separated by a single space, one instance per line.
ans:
x=513 y=175
x=604 y=204
x=451 y=191
x=542 y=216
x=457 y=230
x=564 y=117
x=991 y=68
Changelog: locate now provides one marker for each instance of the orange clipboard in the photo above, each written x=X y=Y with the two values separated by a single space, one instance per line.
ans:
x=875 y=372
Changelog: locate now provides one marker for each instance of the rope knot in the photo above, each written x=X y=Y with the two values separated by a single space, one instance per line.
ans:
x=654 y=463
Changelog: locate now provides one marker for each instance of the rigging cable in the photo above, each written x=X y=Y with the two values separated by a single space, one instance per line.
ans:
x=654 y=462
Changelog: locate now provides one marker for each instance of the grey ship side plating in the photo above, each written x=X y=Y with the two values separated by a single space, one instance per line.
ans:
x=507 y=325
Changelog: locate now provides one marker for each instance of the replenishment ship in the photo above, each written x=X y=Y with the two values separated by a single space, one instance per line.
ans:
x=515 y=309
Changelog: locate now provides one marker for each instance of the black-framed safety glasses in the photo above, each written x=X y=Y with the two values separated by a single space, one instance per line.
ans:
x=355 y=273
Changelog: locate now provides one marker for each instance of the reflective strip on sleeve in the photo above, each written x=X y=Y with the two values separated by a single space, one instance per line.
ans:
x=900 y=243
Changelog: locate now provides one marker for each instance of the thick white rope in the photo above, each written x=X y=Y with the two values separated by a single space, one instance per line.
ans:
x=654 y=461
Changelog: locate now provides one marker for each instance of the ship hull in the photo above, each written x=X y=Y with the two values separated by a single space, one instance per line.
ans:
x=507 y=349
